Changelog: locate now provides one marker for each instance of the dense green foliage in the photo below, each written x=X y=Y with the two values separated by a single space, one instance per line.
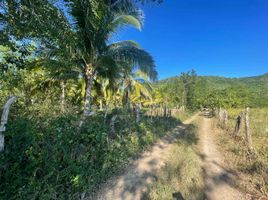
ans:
x=50 y=158
x=209 y=91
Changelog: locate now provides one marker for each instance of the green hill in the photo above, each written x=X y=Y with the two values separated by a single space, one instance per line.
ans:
x=259 y=83
x=256 y=87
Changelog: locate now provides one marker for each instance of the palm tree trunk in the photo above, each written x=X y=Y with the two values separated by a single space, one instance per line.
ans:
x=89 y=83
x=2 y=142
x=89 y=76
x=62 y=84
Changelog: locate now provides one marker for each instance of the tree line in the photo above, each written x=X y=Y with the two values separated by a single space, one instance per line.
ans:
x=192 y=92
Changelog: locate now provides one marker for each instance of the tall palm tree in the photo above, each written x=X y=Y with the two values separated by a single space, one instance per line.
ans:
x=95 y=23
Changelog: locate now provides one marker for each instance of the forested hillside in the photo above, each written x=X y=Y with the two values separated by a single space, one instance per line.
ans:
x=209 y=91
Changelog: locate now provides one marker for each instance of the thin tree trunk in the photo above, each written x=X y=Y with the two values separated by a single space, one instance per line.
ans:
x=248 y=131
x=107 y=110
x=62 y=84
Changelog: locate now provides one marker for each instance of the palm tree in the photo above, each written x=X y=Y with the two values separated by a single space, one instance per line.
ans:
x=136 y=88
x=95 y=23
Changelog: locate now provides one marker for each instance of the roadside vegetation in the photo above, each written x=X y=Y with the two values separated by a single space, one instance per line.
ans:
x=52 y=159
x=252 y=169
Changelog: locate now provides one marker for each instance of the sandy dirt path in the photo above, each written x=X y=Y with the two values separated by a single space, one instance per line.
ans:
x=134 y=181
x=218 y=180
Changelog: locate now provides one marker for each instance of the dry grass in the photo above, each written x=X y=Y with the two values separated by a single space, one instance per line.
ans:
x=252 y=169
x=181 y=178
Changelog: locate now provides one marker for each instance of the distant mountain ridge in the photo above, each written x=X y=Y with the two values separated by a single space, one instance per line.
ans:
x=254 y=83
x=220 y=82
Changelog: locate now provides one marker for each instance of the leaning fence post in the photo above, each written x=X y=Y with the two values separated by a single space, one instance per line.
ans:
x=248 y=132
x=238 y=123
x=4 y=121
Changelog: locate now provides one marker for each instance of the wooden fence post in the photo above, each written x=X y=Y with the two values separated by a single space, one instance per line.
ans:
x=165 y=111
x=248 y=132
x=4 y=121
x=225 y=119
x=238 y=123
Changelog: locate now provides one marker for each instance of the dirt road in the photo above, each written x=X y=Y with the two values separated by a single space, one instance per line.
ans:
x=218 y=180
x=134 y=182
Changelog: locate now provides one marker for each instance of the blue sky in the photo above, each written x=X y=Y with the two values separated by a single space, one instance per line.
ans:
x=214 y=37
